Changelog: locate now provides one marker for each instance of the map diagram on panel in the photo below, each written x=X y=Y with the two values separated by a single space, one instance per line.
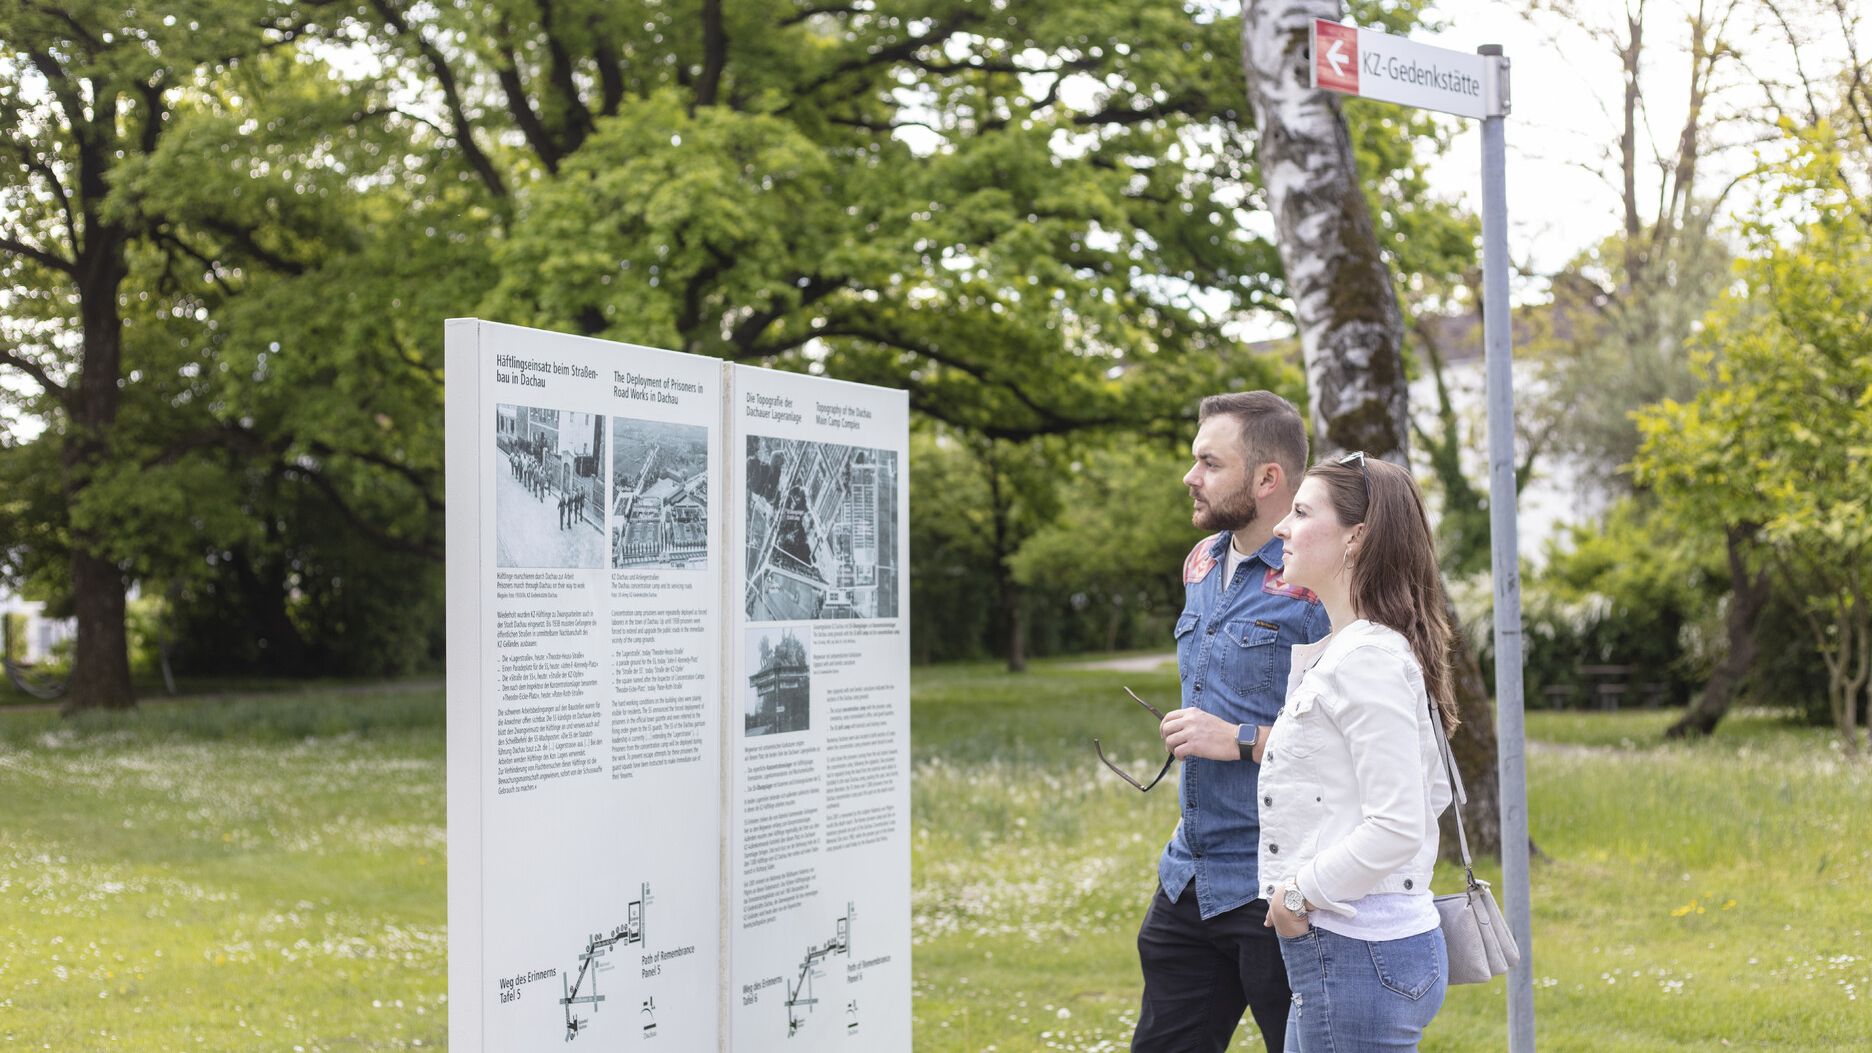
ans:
x=821 y=531
x=582 y=998
x=800 y=998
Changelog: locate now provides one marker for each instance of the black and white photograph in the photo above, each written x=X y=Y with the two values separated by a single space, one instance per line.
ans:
x=659 y=478
x=549 y=489
x=779 y=697
x=821 y=531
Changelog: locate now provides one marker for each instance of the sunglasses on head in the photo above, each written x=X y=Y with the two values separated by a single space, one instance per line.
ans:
x=1365 y=475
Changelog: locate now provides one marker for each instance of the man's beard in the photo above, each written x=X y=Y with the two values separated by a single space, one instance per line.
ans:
x=1231 y=513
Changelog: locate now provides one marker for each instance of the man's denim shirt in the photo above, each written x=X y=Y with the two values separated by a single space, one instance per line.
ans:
x=1233 y=651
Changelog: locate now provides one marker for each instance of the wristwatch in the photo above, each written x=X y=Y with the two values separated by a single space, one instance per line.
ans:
x=1246 y=735
x=1293 y=900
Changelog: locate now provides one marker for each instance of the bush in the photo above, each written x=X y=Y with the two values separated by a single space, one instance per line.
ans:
x=1633 y=591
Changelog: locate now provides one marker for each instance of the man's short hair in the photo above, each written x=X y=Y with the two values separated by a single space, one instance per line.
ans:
x=1271 y=428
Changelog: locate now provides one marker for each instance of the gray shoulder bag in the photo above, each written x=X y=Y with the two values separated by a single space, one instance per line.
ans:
x=1480 y=945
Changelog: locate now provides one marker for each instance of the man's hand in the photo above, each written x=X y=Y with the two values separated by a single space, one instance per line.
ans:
x=1195 y=733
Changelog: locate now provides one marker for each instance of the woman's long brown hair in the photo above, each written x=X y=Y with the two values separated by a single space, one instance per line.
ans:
x=1395 y=579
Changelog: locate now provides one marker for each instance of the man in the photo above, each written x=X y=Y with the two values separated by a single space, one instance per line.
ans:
x=1204 y=950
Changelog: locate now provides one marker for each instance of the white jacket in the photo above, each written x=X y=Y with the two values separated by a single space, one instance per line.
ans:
x=1352 y=781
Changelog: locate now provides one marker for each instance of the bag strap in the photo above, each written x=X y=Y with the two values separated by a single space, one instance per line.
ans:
x=1458 y=795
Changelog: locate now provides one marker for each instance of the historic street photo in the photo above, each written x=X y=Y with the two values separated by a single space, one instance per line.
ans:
x=779 y=695
x=821 y=531
x=659 y=476
x=549 y=489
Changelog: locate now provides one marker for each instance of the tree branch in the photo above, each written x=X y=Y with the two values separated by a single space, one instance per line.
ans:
x=610 y=73
x=63 y=91
x=578 y=119
x=153 y=110
x=425 y=548
x=691 y=312
x=243 y=239
x=39 y=255
x=507 y=71
x=32 y=161
x=1182 y=104
x=393 y=111
x=1052 y=423
x=748 y=332
x=58 y=391
x=209 y=265
x=423 y=482
x=451 y=95
x=884 y=56
x=714 y=53
x=79 y=30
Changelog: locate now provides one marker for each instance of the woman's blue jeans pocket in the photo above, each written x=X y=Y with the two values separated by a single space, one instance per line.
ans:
x=1411 y=966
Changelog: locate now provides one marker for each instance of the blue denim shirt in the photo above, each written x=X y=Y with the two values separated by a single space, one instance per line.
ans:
x=1233 y=650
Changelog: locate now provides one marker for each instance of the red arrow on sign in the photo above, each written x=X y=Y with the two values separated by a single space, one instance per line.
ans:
x=1335 y=56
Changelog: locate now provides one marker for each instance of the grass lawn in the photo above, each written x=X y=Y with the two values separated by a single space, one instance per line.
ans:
x=268 y=874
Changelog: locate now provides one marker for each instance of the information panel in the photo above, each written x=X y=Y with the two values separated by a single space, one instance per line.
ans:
x=820 y=800
x=678 y=702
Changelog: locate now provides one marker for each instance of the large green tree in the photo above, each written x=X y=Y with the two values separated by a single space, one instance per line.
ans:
x=1038 y=218
x=1025 y=215
x=86 y=89
x=267 y=453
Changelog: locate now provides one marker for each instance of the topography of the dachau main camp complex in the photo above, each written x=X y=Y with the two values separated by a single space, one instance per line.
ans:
x=821 y=531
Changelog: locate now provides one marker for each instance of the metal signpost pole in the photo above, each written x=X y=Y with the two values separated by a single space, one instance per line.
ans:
x=1504 y=556
x=1373 y=65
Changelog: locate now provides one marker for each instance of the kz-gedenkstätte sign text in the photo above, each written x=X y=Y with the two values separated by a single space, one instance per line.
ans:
x=1376 y=65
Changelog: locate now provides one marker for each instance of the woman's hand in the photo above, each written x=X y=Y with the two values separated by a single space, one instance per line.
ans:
x=1284 y=921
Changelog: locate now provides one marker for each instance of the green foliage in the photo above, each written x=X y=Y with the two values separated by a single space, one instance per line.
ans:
x=1617 y=336
x=1640 y=590
x=901 y=203
x=1779 y=439
x=1038 y=219
x=1113 y=554
x=276 y=439
x=953 y=613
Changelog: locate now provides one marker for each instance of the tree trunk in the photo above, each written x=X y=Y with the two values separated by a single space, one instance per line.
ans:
x=1351 y=331
x=1014 y=610
x=1475 y=748
x=263 y=593
x=1007 y=590
x=1748 y=597
x=101 y=654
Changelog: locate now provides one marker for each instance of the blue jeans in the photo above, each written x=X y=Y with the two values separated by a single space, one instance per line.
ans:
x=1351 y=995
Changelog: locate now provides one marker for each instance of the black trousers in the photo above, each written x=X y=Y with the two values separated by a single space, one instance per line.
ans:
x=1199 y=976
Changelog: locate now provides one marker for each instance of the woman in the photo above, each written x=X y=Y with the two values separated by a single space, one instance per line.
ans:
x=1351 y=776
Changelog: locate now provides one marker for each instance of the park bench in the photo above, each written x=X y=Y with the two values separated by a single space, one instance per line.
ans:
x=1603 y=686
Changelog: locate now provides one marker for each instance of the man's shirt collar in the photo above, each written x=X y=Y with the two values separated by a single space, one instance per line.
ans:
x=1269 y=553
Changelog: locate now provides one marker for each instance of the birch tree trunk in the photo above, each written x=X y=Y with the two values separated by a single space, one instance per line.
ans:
x=1351 y=332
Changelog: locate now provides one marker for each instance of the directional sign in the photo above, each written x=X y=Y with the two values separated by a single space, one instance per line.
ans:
x=1374 y=65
